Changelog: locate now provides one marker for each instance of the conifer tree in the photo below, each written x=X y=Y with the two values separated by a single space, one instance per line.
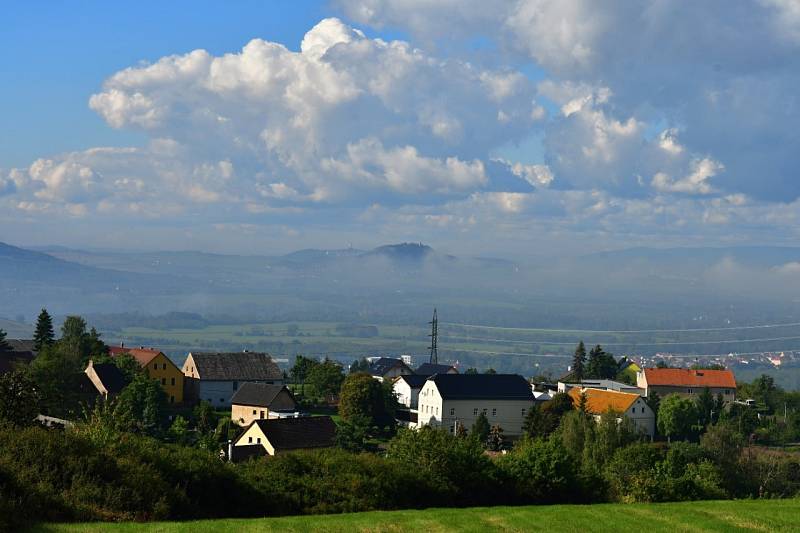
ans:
x=578 y=361
x=44 y=335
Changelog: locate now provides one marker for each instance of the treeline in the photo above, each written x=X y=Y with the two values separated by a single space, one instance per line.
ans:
x=84 y=474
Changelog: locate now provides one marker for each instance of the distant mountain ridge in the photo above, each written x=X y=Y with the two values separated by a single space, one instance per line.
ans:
x=757 y=256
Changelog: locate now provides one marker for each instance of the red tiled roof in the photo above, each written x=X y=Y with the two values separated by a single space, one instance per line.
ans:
x=599 y=401
x=142 y=355
x=685 y=377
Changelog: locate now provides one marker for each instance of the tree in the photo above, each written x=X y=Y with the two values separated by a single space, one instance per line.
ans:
x=490 y=371
x=179 y=431
x=302 y=367
x=19 y=399
x=676 y=416
x=471 y=370
x=4 y=346
x=204 y=417
x=578 y=361
x=494 y=441
x=705 y=407
x=538 y=422
x=601 y=365
x=480 y=428
x=583 y=403
x=362 y=396
x=352 y=433
x=140 y=406
x=326 y=378
x=359 y=365
x=653 y=401
x=56 y=374
x=44 y=335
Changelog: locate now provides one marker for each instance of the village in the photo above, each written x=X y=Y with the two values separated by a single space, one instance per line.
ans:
x=269 y=413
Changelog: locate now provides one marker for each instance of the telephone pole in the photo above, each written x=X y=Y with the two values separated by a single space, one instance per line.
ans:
x=434 y=338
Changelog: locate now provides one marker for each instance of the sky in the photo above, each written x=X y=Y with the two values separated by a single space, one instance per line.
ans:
x=516 y=127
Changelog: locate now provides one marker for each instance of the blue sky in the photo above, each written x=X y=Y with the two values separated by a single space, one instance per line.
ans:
x=515 y=128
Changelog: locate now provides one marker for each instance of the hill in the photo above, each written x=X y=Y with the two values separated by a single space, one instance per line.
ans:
x=750 y=515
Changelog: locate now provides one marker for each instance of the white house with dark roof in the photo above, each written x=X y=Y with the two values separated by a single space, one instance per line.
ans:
x=449 y=399
x=215 y=377
x=382 y=368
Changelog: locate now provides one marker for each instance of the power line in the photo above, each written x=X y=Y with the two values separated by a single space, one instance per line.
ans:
x=732 y=328
x=632 y=343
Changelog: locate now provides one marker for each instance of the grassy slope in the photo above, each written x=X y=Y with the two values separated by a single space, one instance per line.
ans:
x=762 y=515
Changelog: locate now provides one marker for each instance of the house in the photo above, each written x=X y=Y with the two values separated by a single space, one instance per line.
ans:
x=158 y=367
x=429 y=369
x=628 y=368
x=446 y=400
x=106 y=378
x=687 y=382
x=215 y=377
x=382 y=368
x=255 y=401
x=626 y=404
x=406 y=388
x=281 y=435
x=603 y=384
x=542 y=396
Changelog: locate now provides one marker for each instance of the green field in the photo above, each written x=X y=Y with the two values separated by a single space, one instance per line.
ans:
x=750 y=515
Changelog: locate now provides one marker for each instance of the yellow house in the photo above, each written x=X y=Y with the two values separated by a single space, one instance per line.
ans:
x=281 y=435
x=158 y=367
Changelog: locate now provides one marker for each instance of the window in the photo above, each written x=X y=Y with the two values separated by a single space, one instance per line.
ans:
x=222 y=400
x=484 y=412
x=155 y=366
x=494 y=412
x=452 y=411
x=727 y=391
x=249 y=440
x=523 y=413
x=262 y=414
x=258 y=440
x=690 y=391
x=254 y=412
x=164 y=367
x=437 y=411
x=475 y=412
x=163 y=381
x=173 y=381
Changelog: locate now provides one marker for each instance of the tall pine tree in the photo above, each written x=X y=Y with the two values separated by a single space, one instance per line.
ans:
x=44 y=335
x=578 y=361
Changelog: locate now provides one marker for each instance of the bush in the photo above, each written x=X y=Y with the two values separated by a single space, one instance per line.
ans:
x=542 y=472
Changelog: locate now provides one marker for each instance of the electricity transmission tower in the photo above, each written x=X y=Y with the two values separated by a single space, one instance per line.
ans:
x=434 y=338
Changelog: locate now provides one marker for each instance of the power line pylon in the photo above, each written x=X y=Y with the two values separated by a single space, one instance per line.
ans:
x=434 y=338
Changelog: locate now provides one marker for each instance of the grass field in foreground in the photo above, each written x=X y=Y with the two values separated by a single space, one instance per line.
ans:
x=748 y=515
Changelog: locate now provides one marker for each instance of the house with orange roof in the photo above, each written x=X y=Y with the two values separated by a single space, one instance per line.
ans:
x=158 y=367
x=625 y=404
x=687 y=382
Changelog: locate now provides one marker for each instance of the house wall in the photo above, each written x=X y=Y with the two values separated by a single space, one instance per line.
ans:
x=244 y=415
x=254 y=435
x=643 y=417
x=405 y=394
x=219 y=393
x=438 y=412
x=161 y=369
x=728 y=395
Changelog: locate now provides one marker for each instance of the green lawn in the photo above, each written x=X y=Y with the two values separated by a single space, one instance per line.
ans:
x=750 y=515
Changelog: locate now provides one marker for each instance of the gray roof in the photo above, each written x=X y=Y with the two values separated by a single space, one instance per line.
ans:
x=382 y=365
x=22 y=345
x=482 y=387
x=236 y=366
x=264 y=395
x=299 y=433
x=429 y=369
x=111 y=377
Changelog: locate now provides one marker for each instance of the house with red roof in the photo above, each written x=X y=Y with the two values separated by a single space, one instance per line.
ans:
x=632 y=406
x=158 y=367
x=687 y=382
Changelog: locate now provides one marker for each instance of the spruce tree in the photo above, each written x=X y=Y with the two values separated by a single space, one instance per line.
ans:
x=578 y=361
x=44 y=335
x=4 y=346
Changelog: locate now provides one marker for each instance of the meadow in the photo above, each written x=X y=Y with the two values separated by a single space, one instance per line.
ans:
x=738 y=515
